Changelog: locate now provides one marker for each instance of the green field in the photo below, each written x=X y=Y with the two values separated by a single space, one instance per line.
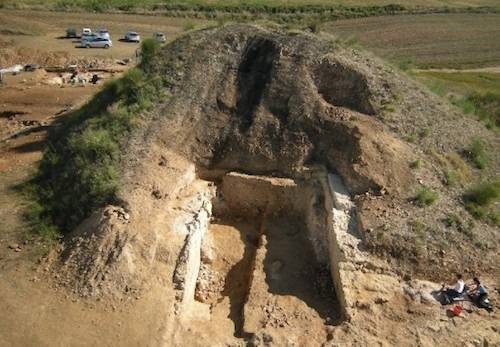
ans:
x=476 y=93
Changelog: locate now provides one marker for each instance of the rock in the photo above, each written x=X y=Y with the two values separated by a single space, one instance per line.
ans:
x=363 y=305
x=381 y=301
x=157 y=194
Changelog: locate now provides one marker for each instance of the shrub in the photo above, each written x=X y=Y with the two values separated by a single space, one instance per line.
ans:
x=477 y=154
x=452 y=178
x=479 y=198
x=484 y=194
x=411 y=138
x=426 y=197
x=80 y=168
x=149 y=48
x=314 y=26
x=425 y=133
x=487 y=108
x=415 y=164
x=438 y=89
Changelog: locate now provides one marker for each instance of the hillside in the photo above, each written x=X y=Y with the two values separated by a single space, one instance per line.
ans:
x=203 y=170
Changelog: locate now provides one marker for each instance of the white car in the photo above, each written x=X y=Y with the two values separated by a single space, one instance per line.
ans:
x=132 y=36
x=86 y=32
x=160 y=37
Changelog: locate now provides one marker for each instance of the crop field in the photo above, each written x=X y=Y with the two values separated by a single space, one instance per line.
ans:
x=427 y=41
x=281 y=11
x=251 y=3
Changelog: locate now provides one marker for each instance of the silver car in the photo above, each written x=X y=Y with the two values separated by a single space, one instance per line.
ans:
x=132 y=36
x=96 y=42
x=104 y=33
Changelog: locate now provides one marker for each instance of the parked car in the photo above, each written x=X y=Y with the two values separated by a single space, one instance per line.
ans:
x=71 y=33
x=160 y=37
x=132 y=36
x=96 y=42
x=104 y=33
x=86 y=32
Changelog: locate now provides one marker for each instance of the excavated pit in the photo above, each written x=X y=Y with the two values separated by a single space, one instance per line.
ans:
x=265 y=259
x=246 y=252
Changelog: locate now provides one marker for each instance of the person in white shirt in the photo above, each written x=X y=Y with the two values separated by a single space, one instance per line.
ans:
x=457 y=290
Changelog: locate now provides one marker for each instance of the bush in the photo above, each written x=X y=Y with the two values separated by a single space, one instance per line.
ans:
x=484 y=194
x=80 y=168
x=415 y=164
x=149 y=48
x=487 y=108
x=452 y=178
x=314 y=26
x=479 y=198
x=477 y=154
x=426 y=197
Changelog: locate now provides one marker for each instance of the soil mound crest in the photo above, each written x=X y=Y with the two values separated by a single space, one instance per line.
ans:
x=261 y=102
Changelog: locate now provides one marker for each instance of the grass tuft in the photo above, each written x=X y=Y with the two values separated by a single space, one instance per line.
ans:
x=426 y=197
x=480 y=201
x=415 y=164
x=478 y=155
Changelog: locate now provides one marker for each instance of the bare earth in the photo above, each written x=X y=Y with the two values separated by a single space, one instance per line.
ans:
x=39 y=310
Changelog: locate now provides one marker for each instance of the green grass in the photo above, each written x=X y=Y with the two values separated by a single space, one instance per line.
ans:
x=478 y=154
x=482 y=201
x=426 y=197
x=476 y=93
x=80 y=168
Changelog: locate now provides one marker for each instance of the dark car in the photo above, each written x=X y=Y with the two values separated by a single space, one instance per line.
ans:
x=71 y=33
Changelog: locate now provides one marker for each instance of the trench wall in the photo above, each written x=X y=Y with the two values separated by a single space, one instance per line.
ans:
x=320 y=199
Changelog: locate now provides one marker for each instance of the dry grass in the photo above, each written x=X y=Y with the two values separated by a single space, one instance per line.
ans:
x=433 y=40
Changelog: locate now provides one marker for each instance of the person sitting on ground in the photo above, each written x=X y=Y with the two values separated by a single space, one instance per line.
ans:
x=457 y=290
x=478 y=293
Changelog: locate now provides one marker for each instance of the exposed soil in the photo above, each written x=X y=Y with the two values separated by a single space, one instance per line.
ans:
x=263 y=102
x=299 y=299
x=234 y=245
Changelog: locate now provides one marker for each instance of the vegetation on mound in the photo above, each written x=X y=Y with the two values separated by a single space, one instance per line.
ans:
x=426 y=197
x=80 y=168
x=478 y=154
x=482 y=201
x=475 y=93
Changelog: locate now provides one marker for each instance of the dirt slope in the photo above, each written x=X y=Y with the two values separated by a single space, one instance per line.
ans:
x=266 y=102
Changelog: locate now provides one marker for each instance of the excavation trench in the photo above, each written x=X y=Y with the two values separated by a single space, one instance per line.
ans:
x=264 y=261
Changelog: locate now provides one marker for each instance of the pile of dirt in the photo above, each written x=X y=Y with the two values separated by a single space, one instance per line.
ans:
x=268 y=102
